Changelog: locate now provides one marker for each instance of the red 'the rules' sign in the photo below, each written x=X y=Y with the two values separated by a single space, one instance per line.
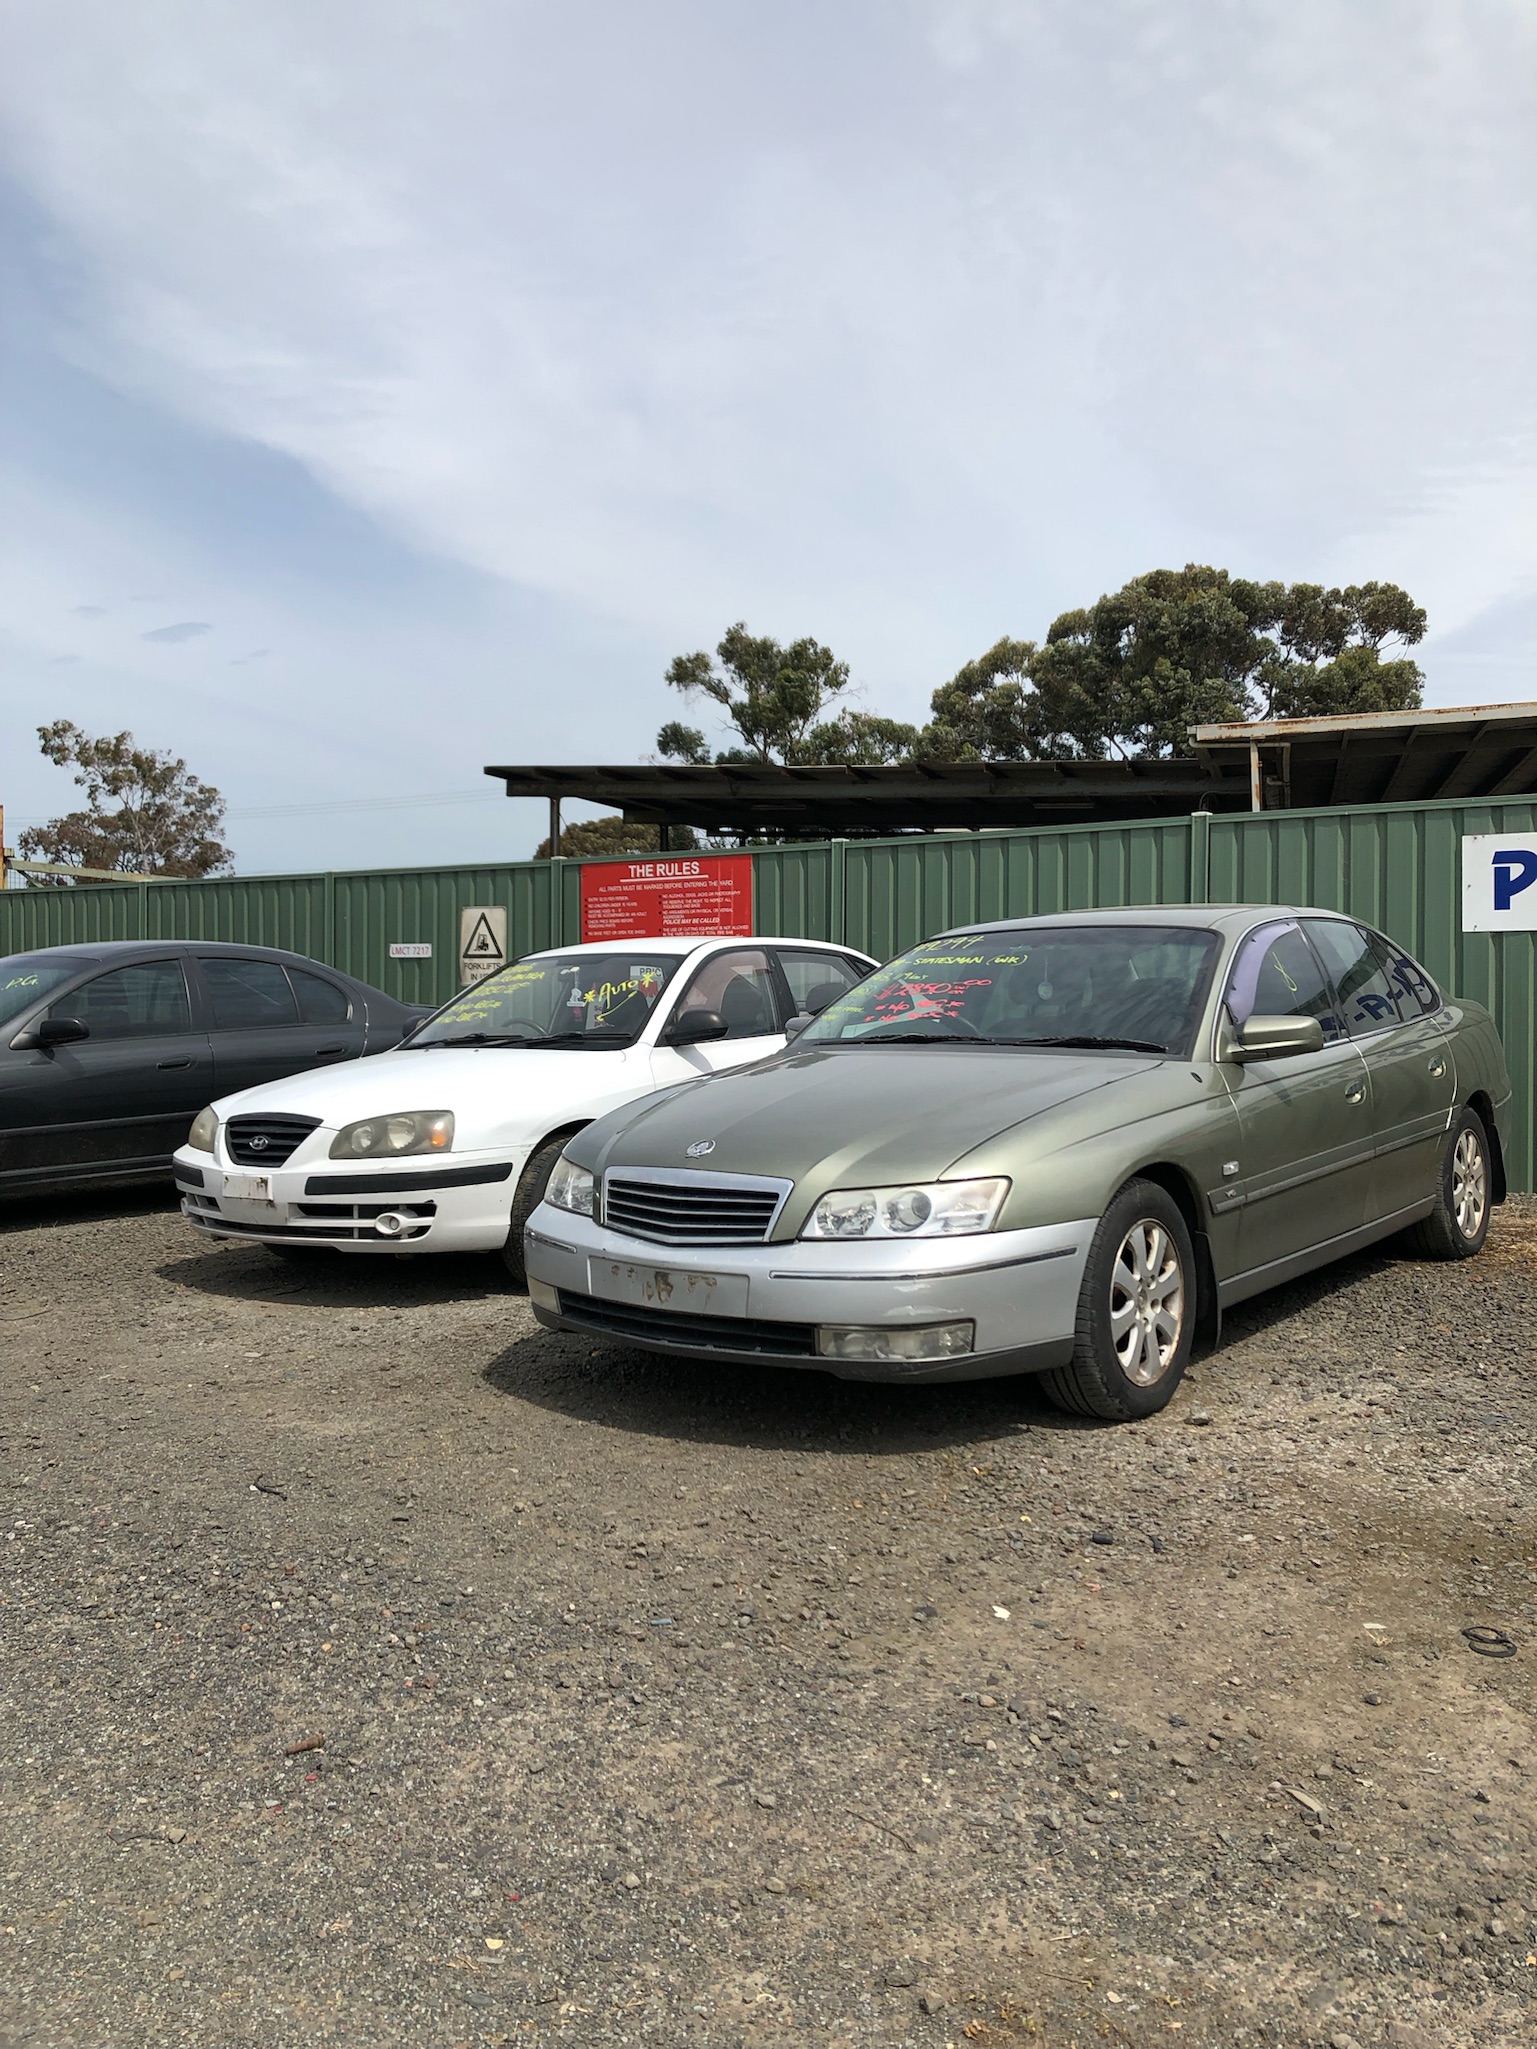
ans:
x=701 y=896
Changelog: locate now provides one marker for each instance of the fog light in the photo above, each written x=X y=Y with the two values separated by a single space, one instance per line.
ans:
x=542 y=1295
x=877 y=1342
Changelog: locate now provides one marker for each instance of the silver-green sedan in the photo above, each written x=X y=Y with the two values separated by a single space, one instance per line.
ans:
x=1059 y=1146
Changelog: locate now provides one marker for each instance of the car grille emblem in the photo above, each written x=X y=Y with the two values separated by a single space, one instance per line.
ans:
x=699 y=1148
x=258 y=1144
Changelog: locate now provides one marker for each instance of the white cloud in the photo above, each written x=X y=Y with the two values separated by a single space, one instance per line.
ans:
x=903 y=324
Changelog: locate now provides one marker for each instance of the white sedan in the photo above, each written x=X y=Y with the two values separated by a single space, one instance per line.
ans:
x=445 y=1144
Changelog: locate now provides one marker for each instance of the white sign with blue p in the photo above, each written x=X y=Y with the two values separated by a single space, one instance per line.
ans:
x=1499 y=882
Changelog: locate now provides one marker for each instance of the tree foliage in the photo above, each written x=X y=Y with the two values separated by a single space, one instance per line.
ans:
x=1132 y=673
x=778 y=699
x=616 y=835
x=143 y=812
x=1128 y=675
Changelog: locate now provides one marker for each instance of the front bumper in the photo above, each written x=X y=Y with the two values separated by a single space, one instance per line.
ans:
x=757 y=1304
x=461 y=1204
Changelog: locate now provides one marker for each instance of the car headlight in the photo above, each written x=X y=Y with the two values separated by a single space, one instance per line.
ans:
x=571 y=1187
x=928 y=1209
x=205 y=1129
x=390 y=1138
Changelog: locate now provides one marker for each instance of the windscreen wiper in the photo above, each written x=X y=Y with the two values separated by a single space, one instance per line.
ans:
x=609 y=1039
x=1086 y=1042
x=471 y=1039
x=914 y=1039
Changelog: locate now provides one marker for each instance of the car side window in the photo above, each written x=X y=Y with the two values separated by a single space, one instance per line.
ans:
x=248 y=995
x=1416 y=992
x=142 y=1002
x=740 y=987
x=827 y=976
x=1365 y=993
x=1277 y=974
x=320 y=1002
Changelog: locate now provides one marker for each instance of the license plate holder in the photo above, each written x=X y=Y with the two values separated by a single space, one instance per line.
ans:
x=684 y=1290
x=249 y=1188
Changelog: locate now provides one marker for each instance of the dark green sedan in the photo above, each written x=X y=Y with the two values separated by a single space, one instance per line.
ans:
x=1059 y=1146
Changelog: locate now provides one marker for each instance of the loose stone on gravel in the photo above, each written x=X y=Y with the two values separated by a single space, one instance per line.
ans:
x=672 y=1708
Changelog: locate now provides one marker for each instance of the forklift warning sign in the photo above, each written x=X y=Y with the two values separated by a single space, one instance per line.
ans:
x=704 y=895
x=482 y=942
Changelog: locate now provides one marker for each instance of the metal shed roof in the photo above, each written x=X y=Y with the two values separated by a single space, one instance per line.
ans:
x=1285 y=764
x=1408 y=757
x=767 y=796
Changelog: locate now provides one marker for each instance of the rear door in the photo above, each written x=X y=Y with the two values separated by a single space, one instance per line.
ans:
x=1407 y=1057
x=123 y=1097
x=266 y=1020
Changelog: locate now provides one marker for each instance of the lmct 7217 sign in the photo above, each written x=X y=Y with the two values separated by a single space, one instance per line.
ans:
x=703 y=896
x=1499 y=882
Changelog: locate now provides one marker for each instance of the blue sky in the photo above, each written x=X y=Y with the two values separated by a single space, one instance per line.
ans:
x=388 y=389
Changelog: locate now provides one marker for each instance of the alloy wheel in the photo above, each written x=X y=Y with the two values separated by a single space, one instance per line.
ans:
x=1147 y=1302
x=1470 y=1193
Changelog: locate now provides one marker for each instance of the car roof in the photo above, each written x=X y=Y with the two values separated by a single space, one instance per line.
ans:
x=682 y=946
x=1192 y=917
x=88 y=953
x=123 y=949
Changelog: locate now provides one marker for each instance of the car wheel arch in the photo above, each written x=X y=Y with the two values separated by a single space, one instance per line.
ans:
x=1480 y=1104
x=560 y=1131
x=1182 y=1192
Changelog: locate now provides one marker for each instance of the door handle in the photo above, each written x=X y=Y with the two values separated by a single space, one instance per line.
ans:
x=322 y=1051
x=1356 y=1092
x=187 y=1062
x=1438 y=1068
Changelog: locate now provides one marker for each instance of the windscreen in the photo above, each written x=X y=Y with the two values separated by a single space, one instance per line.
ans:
x=26 y=976
x=579 y=999
x=1132 y=987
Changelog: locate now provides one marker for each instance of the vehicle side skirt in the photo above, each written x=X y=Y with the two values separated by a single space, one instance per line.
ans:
x=84 y=1174
x=1241 y=1286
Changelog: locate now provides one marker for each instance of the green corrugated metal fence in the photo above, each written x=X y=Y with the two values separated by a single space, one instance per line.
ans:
x=1396 y=865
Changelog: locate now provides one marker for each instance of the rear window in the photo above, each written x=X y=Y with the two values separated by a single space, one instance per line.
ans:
x=248 y=995
x=320 y=1002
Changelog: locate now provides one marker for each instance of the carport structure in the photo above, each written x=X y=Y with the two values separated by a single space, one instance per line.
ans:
x=1468 y=751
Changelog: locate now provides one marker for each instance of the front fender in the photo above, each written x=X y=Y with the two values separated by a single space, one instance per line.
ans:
x=1071 y=1162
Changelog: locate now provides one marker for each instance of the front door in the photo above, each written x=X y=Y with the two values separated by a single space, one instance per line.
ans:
x=739 y=985
x=1304 y=1173
x=1407 y=1057
x=126 y=1095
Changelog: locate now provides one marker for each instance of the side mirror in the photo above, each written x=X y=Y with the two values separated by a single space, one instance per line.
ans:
x=694 y=1027
x=1277 y=1038
x=52 y=1031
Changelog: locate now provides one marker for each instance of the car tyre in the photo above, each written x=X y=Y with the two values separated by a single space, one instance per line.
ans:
x=532 y=1183
x=1458 y=1225
x=1137 y=1311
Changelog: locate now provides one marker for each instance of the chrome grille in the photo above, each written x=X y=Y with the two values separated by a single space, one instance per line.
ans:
x=266 y=1141
x=692 y=1209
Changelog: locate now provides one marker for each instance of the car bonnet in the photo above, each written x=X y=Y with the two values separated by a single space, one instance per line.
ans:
x=483 y=1086
x=849 y=1116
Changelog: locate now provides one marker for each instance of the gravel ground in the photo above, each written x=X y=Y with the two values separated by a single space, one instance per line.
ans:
x=651 y=1704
